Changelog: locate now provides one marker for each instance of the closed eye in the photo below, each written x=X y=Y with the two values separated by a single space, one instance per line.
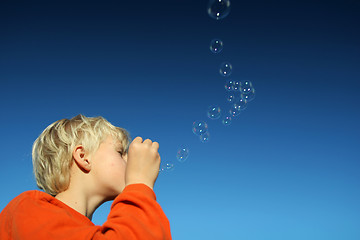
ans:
x=122 y=153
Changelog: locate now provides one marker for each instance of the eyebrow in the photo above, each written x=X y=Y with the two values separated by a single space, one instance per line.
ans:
x=118 y=146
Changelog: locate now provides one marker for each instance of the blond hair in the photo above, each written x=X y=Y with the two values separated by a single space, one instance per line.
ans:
x=52 y=150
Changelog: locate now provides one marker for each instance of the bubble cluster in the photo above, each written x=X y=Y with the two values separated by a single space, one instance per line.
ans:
x=216 y=45
x=225 y=69
x=238 y=93
x=247 y=90
x=200 y=128
x=218 y=9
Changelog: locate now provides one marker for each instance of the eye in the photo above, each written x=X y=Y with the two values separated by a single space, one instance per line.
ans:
x=122 y=153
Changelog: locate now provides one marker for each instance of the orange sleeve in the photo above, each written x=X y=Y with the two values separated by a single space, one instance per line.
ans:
x=134 y=215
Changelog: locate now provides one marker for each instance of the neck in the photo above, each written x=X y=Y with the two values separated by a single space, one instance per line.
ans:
x=80 y=201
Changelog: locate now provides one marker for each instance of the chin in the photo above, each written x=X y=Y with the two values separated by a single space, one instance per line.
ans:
x=110 y=197
x=117 y=191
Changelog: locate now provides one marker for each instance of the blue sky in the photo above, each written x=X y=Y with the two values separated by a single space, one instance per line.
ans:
x=286 y=168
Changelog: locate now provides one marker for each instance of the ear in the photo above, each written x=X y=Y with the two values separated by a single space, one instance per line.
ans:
x=81 y=158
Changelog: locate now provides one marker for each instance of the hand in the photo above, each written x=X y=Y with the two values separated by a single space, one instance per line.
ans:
x=143 y=162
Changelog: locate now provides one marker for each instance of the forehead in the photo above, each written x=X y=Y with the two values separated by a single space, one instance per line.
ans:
x=111 y=140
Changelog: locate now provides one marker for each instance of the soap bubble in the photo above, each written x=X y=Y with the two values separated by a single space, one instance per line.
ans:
x=216 y=45
x=249 y=94
x=166 y=167
x=182 y=154
x=199 y=127
x=242 y=102
x=205 y=137
x=214 y=112
x=246 y=83
x=218 y=9
x=226 y=120
x=229 y=85
x=225 y=69
x=169 y=166
x=236 y=85
x=230 y=97
x=247 y=90
x=237 y=107
x=234 y=110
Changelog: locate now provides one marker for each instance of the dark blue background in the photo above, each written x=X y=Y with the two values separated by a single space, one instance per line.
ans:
x=286 y=168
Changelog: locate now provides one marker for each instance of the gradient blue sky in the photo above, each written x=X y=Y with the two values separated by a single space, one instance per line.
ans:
x=286 y=168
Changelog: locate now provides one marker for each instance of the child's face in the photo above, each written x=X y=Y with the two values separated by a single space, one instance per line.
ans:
x=108 y=169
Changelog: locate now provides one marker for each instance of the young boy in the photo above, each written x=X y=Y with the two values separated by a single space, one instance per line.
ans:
x=81 y=163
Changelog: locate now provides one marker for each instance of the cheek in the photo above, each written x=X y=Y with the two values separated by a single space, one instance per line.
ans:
x=118 y=165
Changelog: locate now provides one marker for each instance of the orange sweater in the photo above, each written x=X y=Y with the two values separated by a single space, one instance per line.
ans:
x=134 y=214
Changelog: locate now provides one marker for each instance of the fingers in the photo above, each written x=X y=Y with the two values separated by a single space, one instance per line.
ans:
x=154 y=145
x=143 y=162
x=148 y=141
x=138 y=139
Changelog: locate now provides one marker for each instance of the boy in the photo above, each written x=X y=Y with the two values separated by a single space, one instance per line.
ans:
x=81 y=163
